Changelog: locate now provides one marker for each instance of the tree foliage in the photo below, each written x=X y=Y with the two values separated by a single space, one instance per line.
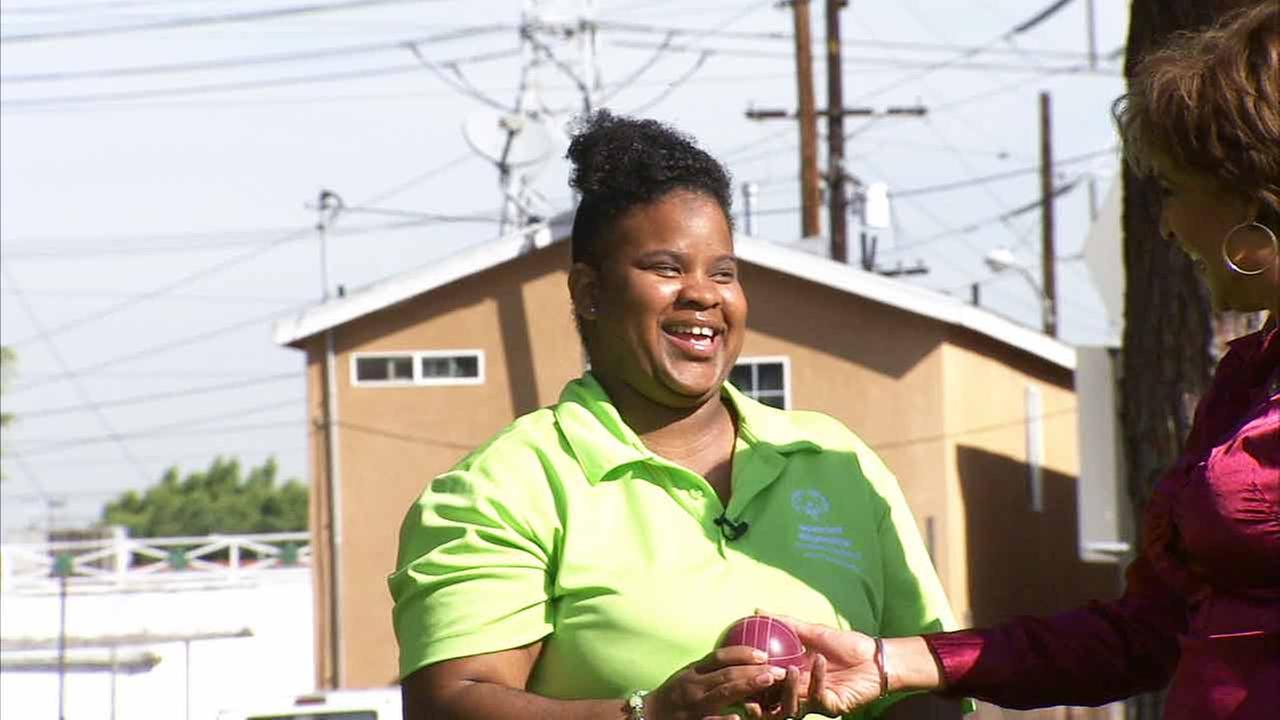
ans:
x=216 y=500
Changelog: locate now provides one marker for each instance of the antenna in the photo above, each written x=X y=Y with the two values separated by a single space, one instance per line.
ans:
x=557 y=36
x=508 y=140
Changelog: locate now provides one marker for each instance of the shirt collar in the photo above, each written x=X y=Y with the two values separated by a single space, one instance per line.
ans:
x=602 y=442
x=1258 y=353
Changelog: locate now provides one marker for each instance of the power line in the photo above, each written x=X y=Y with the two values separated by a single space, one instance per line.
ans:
x=155 y=349
x=277 y=449
x=187 y=22
x=878 y=447
x=968 y=182
x=213 y=299
x=169 y=287
x=254 y=60
x=85 y=399
x=876 y=43
x=81 y=253
x=153 y=397
x=667 y=91
x=924 y=64
x=45 y=101
x=989 y=220
x=969 y=53
x=224 y=430
x=83 y=7
x=175 y=428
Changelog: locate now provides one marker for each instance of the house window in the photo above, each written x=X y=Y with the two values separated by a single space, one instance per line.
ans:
x=767 y=379
x=384 y=368
x=423 y=367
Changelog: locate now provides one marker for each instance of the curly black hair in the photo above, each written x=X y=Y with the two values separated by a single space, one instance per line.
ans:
x=622 y=162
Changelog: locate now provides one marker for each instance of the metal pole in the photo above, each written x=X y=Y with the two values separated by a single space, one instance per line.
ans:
x=330 y=206
x=62 y=645
x=1049 y=287
x=810 y=192
x=115 y=668
x=750 y=191
x=187 y=670
x=1091 y=32
x=835 y=136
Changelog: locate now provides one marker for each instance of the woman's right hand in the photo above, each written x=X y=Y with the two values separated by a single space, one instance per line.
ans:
x=706 y=688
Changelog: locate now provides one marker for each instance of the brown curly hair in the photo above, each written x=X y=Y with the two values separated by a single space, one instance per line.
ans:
x=1209 y=101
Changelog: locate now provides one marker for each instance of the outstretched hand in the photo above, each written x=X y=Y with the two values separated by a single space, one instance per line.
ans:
x=844 y=676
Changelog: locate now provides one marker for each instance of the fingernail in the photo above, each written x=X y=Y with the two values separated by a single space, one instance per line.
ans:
x=764 y=679
x=760 y=656
x=778 y=673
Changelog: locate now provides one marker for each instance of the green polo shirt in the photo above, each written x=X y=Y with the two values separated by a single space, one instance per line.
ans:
x=565 y=528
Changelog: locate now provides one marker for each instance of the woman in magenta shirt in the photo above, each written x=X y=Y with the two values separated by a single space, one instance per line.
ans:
x=1201 y=608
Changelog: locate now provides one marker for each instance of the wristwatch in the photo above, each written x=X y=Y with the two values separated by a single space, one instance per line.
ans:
x=635 y=705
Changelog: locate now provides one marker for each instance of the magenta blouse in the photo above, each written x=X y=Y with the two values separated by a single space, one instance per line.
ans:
x=1201 y=607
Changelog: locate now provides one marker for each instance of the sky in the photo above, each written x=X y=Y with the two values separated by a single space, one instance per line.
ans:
x=160 y=161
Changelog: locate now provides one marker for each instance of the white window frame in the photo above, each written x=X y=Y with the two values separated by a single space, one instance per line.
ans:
x=783 y=360
x=417 y=356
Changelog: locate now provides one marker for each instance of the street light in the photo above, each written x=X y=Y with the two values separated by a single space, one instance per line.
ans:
x=1001 y=259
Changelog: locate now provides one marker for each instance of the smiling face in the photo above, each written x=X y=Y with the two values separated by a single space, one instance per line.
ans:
x=665 y=313
x=1197 y=214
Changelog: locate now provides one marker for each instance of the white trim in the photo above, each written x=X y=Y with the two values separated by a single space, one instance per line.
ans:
x=903 y=296
x=783 y=360
x=779 y=258
x=415 y=358
x=398 y=288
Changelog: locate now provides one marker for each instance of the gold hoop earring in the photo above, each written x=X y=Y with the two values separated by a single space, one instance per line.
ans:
x=1226 y=251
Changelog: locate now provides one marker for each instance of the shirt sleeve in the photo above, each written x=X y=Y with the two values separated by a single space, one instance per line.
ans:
x=1093 y=655
x=474 y=572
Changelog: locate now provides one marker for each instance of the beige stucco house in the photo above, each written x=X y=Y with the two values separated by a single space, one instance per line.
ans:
x=975 y=414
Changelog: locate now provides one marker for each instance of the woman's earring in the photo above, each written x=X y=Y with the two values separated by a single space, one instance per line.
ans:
x=1230 y=255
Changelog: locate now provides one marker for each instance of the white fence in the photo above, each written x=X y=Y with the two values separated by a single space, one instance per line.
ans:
x=122 y=562
x=154 y=629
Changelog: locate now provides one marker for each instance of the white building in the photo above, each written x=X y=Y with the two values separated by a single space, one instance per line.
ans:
x=155 y=630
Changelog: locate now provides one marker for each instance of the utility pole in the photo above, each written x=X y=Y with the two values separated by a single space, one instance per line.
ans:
x=810 y=192
x=835 y=137
x=1091 y=31
x=1050 y=299
x=63 y=566
x=328 y=206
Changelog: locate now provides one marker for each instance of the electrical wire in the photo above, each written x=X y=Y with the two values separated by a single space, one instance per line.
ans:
x=204 y=20
x=986 y=221
x=675 y=85
x=876 y=43
x=153 y=397
x=224 y=430
x=168 y=287
x=971 y=181
x=965 y=55
x=329 y=77
x=156 y=349
x=86 y=400
x=253 y=60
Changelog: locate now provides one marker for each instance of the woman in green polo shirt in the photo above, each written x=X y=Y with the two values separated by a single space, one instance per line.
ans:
x=585 y=561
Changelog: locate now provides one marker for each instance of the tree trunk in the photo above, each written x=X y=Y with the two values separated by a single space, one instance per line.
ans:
x=1170 y=330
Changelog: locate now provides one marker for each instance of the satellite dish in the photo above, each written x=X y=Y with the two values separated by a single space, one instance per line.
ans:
x=524 y=141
